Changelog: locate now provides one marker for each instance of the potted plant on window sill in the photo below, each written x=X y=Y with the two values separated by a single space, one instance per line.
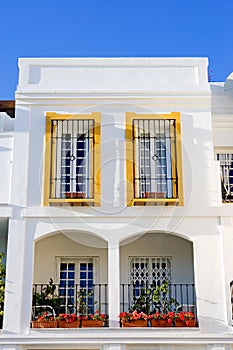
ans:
x=162 y=320
x=185 y=319
x=68 y=321
x=133 y=319
x=93 y=320
x=45 y=321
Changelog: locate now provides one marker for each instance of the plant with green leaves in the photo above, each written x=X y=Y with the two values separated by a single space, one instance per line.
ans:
x=85 y=301
x=48 y=297
x=155 y=298
x=162 y=299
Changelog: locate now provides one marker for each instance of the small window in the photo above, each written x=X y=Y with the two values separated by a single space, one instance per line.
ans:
x=72 y=159
x=226 y=173
x=153 y=159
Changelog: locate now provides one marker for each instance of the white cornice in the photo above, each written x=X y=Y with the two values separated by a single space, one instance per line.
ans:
x=91 y=340
x=131 y=76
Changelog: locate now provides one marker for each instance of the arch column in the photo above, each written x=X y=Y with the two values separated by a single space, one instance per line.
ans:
x=114 y=283
x=19 y=271
x=210 y=284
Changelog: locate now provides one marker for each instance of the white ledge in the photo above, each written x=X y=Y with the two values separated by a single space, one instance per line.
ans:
x=95 y=337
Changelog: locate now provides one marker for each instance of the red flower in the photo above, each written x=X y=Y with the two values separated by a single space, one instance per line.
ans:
x=182 y=316
x=171 y=314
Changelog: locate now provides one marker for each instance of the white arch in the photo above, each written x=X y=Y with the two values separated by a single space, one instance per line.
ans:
x=137 y=235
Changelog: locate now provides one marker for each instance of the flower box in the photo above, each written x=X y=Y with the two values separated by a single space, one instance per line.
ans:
x=44 y=324
x=160 y=323
x=65 y=324
x=189 y=323
x=134 y=323
x=185 y=319
x=92 y=323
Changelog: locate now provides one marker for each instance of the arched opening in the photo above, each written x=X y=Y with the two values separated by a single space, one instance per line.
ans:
x=157 y=274
x=70 y=274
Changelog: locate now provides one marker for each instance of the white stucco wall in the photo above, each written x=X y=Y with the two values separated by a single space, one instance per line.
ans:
x=6 y=156
x=193 y=234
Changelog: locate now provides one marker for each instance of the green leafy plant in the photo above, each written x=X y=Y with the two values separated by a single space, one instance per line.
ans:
x=142 y=303
x=84 y=298
x=48 y=297
x=155 y=298
x=162 y=299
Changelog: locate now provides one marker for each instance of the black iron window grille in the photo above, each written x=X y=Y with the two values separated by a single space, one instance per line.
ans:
x=146 y=271
x=226 y=172
x=155 y=158
x=72 y=159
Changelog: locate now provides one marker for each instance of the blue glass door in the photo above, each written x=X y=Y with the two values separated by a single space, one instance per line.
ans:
x=77 y=287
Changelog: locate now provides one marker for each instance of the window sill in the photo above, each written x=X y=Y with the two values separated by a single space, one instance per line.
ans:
x=82 y=202
x=154 y=202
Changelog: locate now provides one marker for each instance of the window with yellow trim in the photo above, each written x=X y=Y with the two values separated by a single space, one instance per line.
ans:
x=153 y=149
x=72 y=166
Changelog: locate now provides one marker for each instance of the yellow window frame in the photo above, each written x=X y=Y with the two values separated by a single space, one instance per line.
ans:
x=49 y=168
x=131 y=201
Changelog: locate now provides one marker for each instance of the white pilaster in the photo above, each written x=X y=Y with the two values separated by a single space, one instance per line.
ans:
x=18 y=278
x=209 y=272
x=113 y=283
x=20 y=157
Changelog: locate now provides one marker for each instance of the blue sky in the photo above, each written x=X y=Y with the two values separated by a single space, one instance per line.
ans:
x=108 y=28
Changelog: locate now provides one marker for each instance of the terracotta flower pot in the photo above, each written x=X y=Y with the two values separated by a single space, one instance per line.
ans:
x=44 y=324
x=65 y=324
x=92 y=323
x=134 y=323
x=160 y=323
x=188 y=323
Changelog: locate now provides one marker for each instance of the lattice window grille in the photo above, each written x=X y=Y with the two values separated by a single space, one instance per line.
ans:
x=150 y=270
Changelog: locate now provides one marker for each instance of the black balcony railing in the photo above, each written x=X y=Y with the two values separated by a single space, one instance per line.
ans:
x=83 y=300
x=78 y=299
x=162 y=299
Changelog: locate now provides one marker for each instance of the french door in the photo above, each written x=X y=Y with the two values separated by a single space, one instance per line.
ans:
x=76 y=284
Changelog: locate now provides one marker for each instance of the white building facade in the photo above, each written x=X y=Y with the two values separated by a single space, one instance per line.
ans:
x=118 y=177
